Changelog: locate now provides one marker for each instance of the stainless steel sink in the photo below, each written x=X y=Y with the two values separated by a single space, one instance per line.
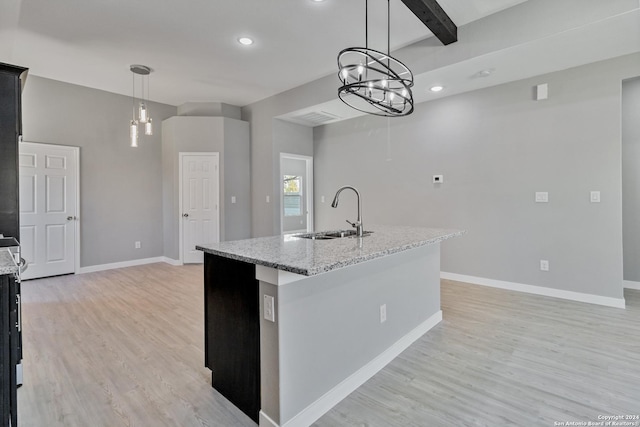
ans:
x=329 y=235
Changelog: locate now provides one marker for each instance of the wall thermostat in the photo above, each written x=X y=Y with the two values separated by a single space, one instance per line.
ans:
x=438 y=179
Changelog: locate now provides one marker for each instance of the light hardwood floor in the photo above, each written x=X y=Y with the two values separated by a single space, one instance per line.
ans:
x=125 y=348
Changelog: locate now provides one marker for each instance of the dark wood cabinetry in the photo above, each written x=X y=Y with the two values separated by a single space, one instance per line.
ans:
x=232 y=331
x=11 y=78
x=11 y=81
x=9 y=350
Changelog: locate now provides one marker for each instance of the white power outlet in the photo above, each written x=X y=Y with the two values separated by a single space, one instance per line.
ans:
x=544 y=265
x=542 y=197
x=269 y=308
x=383 y=313
x=137 y=245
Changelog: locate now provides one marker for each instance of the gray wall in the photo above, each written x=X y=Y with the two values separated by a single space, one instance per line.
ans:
x=631 y=178
x=496 y=147
x=510 y=28
x=269 y=138
x=230 y=138
x=120 y=187
x=288 y=138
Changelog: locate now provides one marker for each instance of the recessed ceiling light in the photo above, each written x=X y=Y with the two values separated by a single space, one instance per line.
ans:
x=317 y=1
x=245 y=41
x=436 y=88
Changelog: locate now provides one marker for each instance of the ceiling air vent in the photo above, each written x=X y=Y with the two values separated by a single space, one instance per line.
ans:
x=315 y=118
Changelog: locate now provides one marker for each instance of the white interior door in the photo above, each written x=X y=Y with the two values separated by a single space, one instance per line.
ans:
x=200 y=200
x=48 y=208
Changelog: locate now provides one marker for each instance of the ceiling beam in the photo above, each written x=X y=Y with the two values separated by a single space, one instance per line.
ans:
x=435 y=18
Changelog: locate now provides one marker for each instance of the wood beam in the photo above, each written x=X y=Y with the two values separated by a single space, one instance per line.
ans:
x=435 y=18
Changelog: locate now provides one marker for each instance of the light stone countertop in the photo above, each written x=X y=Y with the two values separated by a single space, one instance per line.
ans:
x=7 y=266
x=310 y=257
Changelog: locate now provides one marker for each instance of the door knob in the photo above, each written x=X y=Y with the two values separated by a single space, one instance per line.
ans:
x=71 y=218
x=186 y=215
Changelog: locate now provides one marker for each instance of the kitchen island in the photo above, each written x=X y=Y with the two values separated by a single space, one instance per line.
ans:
x=293 y=325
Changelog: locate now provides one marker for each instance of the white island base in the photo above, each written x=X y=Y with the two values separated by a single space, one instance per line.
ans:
x=328 y=339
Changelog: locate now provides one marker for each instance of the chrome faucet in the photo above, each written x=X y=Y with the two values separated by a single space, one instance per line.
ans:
x=358 y=224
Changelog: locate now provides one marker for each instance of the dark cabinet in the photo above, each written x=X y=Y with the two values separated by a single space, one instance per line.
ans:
x=232 y=331
x=11 y=79
x=9 y=349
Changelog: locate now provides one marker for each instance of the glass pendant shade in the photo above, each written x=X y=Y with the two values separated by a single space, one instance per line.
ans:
x=148 y=128
x=142 y=113
x=144 y=117
x=133 y=133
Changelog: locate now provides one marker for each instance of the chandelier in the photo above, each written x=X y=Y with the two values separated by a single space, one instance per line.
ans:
x=372 y=81
x=142 y=110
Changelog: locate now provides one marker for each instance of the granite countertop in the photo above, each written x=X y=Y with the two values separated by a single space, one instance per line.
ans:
x=7 y=266
x=310 y=257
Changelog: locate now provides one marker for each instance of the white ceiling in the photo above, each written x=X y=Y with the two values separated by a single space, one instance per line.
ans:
x=192 y=45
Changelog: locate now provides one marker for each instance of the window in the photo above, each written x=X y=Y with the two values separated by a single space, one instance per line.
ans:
x=292 y=195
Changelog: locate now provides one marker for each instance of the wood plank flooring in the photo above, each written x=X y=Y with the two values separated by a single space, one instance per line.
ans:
x=119 y=348
x=125 y=348
x=502 y=358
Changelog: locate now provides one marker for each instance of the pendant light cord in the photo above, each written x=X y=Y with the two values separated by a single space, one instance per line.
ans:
x=366 y=24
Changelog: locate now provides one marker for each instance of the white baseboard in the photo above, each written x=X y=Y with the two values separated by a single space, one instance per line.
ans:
x=132 y=263
x=313 y=412
x=265 y=421
x=171 y=261
x=629 y=284
x=537 y=290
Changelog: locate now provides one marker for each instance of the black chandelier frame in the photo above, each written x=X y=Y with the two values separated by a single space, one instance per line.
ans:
x=374 y=82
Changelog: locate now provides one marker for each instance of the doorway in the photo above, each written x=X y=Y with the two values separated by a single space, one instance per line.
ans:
x=199 y=204
x=296 y=193
x=49 y=209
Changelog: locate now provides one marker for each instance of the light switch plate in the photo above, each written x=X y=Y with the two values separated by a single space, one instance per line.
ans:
x=595 y=197
x=269 y=308
x=233 y=199
x=542 y=197
x=542 y=92
x=268 y=199
x=544 y=265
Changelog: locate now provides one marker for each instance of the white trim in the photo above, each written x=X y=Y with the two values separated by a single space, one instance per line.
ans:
x=321 y=406
x=275 y=276
x=76 y=153
x=181 y=154
x=265 y=421
x=308 y=190
x=171 y=261
x=537 y=290
x=123 y=264
x=630 y=284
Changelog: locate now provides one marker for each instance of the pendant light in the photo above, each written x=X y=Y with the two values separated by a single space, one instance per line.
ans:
x=133 y=127
x=143 y=111
x=372 y=81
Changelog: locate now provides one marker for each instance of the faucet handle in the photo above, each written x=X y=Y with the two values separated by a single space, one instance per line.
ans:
x=353 y=224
